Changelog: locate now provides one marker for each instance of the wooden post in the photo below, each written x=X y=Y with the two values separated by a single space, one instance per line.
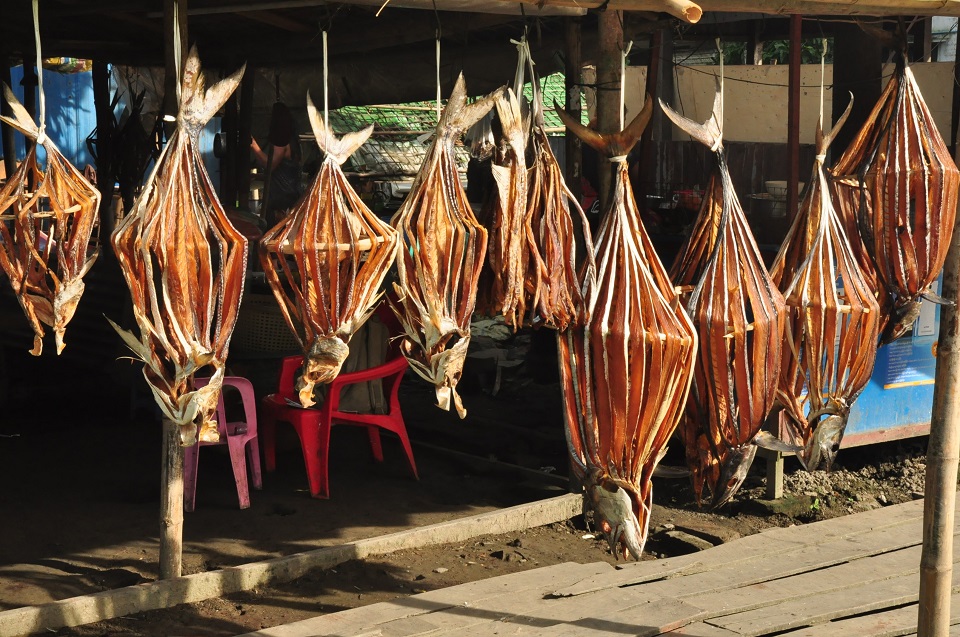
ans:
x=105 y=132
x=793 y=118
x=573 y=76
x=7 y=132
x=171 y=502
x=610 y=24
x=245 y=123
x=856 y=68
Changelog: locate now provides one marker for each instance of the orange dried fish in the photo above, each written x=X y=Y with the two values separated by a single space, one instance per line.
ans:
x=327 y=259
x=626 y=366
x=833 y=322
x=184 y=263
x=552 y=271
x=441 y=253
x=740 y=318
x=900 y=182
x=48 y=223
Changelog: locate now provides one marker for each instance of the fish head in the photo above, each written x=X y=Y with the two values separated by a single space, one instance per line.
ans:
x=620 y=514
x=905 y=312
x=825 y=442
x=733 y=471
x=320 y=366
x=65 y=303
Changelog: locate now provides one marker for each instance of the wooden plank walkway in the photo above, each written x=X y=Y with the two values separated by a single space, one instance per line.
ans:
x=856 y=575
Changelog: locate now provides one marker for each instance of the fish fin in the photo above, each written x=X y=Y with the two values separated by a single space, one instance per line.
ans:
x=340 y=148
x=21 y=119
x=470 y=114
x=766 y=440
x=218 y=94
x=825 y=139
x=629 y=136
x=665 y=471
x=933 y=297
x=590 y=137
x=709 y=133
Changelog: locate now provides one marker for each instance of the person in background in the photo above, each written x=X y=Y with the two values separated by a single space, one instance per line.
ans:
x=281 y=161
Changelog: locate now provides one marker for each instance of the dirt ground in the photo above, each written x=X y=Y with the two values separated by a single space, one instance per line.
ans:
x=80 y=499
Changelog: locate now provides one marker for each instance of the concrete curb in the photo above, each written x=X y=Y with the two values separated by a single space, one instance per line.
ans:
x=87 y=609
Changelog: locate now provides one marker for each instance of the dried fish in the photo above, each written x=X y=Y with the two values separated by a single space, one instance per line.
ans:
x=48 y=224
x=740 y=318
x=510 y=235
x=626 y=367
x=552 y=270
x=441 y=255
x=184 y=263
x=900 y=182
x=327 y=259
x=833 y=322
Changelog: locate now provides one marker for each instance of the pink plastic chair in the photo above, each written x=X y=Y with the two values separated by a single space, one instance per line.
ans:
x=240 y=438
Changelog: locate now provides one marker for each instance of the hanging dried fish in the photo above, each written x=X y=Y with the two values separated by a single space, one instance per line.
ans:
x=510 y=236
x=899 y=181
x=48 y=223
x=184 y=263
x=833 y=322
x=552 y=270
x=326 y=260
x=626 y=369
x=441 y=254
x=740 y=317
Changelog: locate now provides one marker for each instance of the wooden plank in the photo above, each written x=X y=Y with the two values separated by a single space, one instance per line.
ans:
x=701 y=629
x=824 y=607
x=528 y=585
x=653 y=617
x=893 y=623
x=748 y=560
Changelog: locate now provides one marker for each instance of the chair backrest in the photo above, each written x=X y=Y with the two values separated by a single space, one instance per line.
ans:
x=288 y=376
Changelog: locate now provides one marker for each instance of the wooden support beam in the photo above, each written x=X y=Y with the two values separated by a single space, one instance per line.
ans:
x=279 y=21
x=171 y=502
x=793 y=119
x=608 y=91
x=857 y=69
x=573 y=78
x=105 y=134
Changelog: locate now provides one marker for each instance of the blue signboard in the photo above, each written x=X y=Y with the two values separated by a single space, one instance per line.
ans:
x=899 y=398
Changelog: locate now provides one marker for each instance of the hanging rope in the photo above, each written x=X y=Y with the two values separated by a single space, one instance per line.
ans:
x=524 y=60
x=623 y=81
x=326 y=91
x=177 y=56
x=719 y=141
x=42 y=136
x=436 y=15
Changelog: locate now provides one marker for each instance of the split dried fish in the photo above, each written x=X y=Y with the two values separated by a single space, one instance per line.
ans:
x=553 y=270
x=740 y=318
x=900 y=182
x=48 y=224
x=184 y=263
x=833 y=322
x=441 y=254
x=327 y=259
x=510 y=245
x=626 y=367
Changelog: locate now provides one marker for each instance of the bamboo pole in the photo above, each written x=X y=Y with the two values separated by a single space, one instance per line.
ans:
x=171 y=502
x=943 y=457
x=610 y=26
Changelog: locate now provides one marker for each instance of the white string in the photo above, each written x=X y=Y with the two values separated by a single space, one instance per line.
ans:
x=438 y=76
x=326 y=107
x=719 y=140
x=619 y=158
x=41 y=136
x=177 y=53
x=623 y=81
x=823 y=71
x=524 y=59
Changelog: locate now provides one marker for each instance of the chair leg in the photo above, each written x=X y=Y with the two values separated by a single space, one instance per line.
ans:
x=253 y=459
x=314 y=443
x=191 y=456
x=268 y=432
x=239 y=462
x=405 y=441
x=373 y=432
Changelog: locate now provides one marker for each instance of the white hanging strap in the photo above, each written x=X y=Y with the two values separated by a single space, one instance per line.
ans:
x=823 y=71
x=177 y=55
x=42 y=136
x=623 y=81
x=438 y=76
x=523 y=59
x=719 y=139
x=326 y=91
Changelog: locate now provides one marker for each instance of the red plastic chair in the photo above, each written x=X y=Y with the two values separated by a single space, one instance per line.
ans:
x=240 y=438
x=313 y=425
